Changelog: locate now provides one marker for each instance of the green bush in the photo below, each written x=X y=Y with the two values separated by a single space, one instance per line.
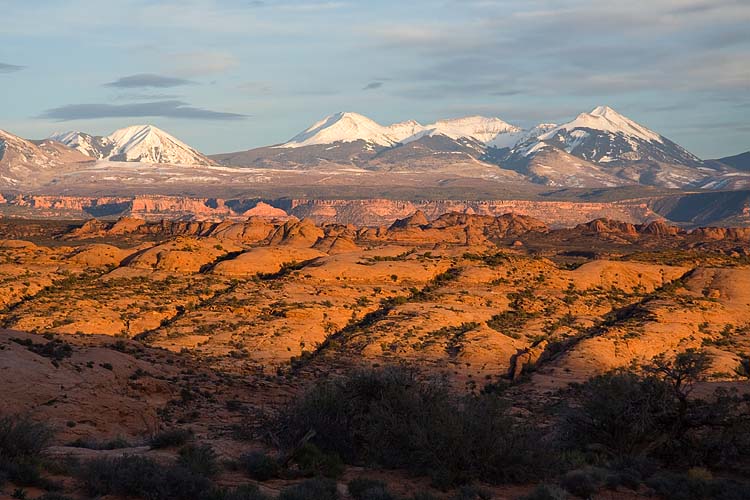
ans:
x=369 y=489
x=142 y=478
x=259 y=465
x=684 y=487
x=654 y=416
x=200 y=459
x=244 y=492
x=584 y=482
x=311 y=489
x=618 y=412
x=469 y=492
x=21 y=443
x=358 y=486
x=171 y=438
x=390 y=418
x=546 y=492
x=313 y=462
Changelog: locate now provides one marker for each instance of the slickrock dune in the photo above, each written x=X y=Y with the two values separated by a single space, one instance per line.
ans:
x=133 y=326
x=264 y=260
x=471 y=294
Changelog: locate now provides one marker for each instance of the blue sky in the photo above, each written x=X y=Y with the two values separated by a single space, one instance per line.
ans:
x=227 y=75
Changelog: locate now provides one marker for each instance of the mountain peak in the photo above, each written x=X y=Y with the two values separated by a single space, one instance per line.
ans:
x=344 y=126
x=604 y=111
x=145 y=142
x=606 y=119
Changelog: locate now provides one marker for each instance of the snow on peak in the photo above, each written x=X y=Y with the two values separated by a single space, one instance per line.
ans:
x=350 y=127
x=513 y=138
x=607 y=119
x=150 y=144
x=402 y=131
x=342 y=127
x=144 y=143
x=479 y=128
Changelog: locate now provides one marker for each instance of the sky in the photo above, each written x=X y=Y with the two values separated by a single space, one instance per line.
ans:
x=229 y=75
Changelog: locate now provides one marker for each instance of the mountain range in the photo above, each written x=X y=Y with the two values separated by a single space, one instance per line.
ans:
x=600 y=148
x=597 y=149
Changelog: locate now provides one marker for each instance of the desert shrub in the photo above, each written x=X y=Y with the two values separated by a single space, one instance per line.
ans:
x=56 y=350
x=141 y=477
x=171 y=438
x=546 y=492
x=389 y=418
x=369 y=489
x=21 y=443
x=259 y=465
x=244 y=492
x=21 y=437
x=583 y=482
x=200 y=459
x=358 y=486
x=423 y=495
x=53 y=496
x=470 y=492
x=686 y=487
x=624 y=414
x=311 y=489
x=619 y=412
x=91 y=444
x=313 y=462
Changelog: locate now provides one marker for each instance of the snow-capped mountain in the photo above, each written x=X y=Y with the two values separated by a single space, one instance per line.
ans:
x=479 y=128
x=351 y=127
x=605 y=136
x=95 y=147
x=140 y=143
x=510 y=139
x=22 y=160
x=343 y=127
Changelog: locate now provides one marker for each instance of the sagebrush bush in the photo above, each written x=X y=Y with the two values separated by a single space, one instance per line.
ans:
x=21 y=443
x=389 y=418
x=684 y=487
x=142 y=477
x=21 y=437
x=200 y=459
x=623 y=414
x=313 y=462
x=546 y=492
x=359 y=485
x=311 y=489
x=584 y=482
x=244 y=492
x=259 y=465
x=171 y=438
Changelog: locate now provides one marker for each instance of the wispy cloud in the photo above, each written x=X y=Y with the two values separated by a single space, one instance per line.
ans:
x=165 y=109
x=10 y=68
x=373 y=86
x=148 y=80
x=137 y=96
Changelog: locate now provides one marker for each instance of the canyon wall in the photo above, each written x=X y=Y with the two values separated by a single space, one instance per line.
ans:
x=362 y=212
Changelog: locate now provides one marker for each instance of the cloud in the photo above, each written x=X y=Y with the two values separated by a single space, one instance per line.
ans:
x=145 y=80
x=10 y=68
x=165 y=109
x=373 y=86
x=573 y=48
x=137 y=96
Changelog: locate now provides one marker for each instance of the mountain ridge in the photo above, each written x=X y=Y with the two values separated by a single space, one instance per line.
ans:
x=140 y=143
